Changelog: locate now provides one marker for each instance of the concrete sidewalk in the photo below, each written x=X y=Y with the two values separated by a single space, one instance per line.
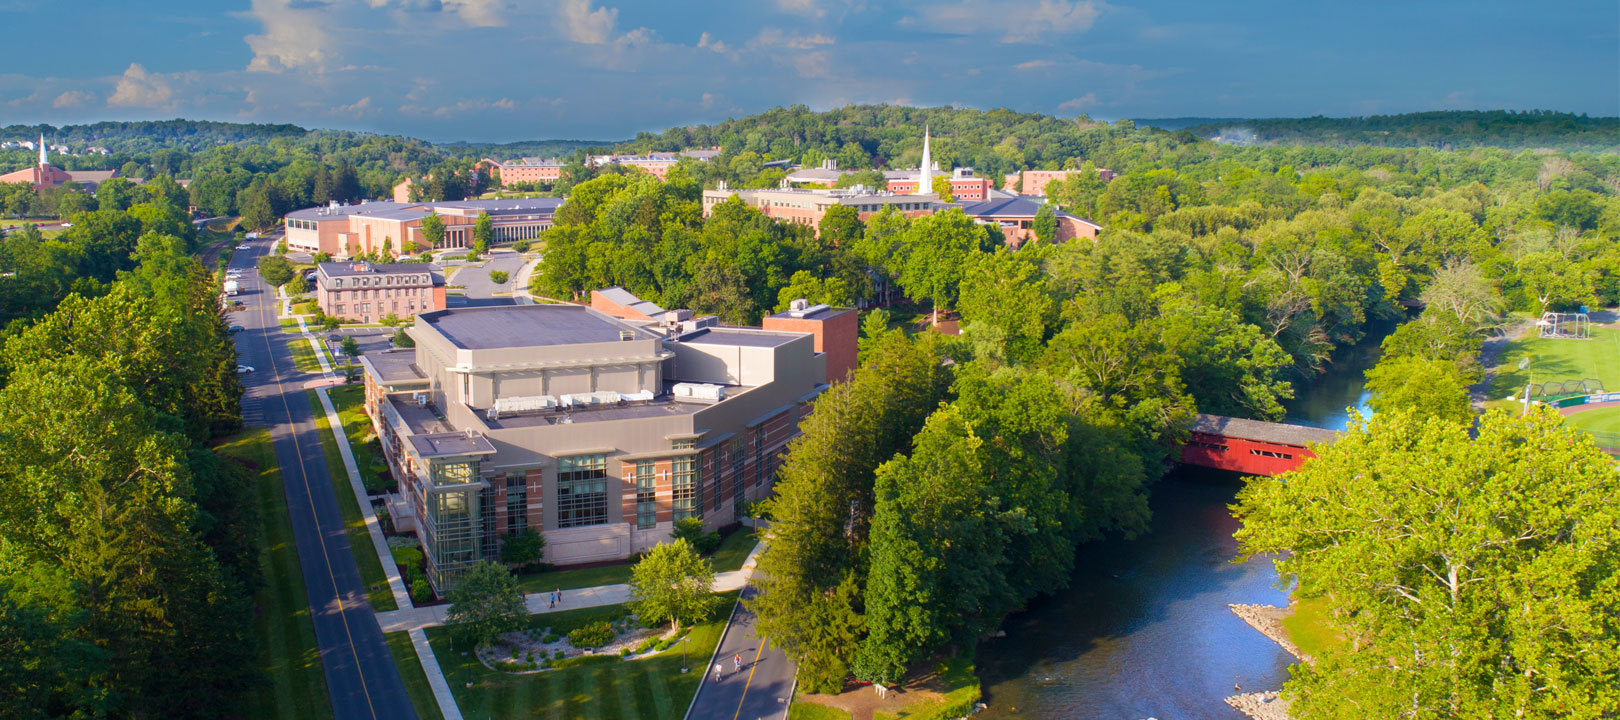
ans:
x=539 y=603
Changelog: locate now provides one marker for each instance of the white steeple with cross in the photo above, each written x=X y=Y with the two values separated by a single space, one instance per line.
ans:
x=43 y=159
x=925 y=183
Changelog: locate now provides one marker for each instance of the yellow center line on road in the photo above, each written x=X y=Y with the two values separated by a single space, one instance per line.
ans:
x=750 y=681
x=270 y=354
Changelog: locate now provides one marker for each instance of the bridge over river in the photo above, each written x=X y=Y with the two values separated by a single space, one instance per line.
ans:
x=1251 y=447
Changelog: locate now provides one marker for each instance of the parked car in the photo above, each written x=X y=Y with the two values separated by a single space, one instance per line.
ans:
x=243 y=246
x=244 y=368
x=235 y=329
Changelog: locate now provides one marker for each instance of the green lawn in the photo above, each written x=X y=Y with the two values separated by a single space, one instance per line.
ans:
x=960 y=685
x=410 y=670
x=350 y=403
x=1308 y=628
x=730 y=556
x=575 y=578
x=1603 y=424
x=371 y=568
x=295 y=682
x=1558 y=361
x=605 y=688
x=733 y=550
x=304 y=356
x=813 y=711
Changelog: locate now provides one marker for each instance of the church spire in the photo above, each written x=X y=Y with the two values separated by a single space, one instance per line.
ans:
x=43 y=160
x=925 y=184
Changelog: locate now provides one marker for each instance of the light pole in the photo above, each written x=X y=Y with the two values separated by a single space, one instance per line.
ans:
x=1525 y=363
x=682 y=643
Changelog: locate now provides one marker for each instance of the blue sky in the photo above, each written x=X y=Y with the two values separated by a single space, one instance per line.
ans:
x=500 y=70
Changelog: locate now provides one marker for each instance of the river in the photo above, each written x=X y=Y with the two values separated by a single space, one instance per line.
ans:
x=1143 y=629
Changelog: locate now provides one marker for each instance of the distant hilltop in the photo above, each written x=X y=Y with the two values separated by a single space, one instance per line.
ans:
x=1445 y=129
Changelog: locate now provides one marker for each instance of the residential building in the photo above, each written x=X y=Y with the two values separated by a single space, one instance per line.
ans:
x=805 y=206
x=1033 y=182
x=43 y=175
x=1016 y=218
x=965 y=186
x=345 y=230
x=528 y=170
x=656 y=163
x=368 y=292
x=597 y=431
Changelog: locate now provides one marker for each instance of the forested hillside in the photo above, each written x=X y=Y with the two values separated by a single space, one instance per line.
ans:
x=1441 y=129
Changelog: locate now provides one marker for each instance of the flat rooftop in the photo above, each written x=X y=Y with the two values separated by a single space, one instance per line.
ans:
x=632 y=411
x=392 y=367
x=740 y=336
x=490 y=328
x=443 y=444
x=822 y=314
x=419 y=419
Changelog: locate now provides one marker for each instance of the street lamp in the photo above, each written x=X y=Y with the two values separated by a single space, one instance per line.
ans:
x=682 y=643
x=1525 y=363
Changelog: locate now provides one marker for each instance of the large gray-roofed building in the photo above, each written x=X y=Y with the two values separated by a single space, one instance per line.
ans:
x=529 y=326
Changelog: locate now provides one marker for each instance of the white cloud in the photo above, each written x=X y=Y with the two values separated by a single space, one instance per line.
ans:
x=478 y=13
x=583 y=25
x=293 y=37
x=775 y=39
x=708 y=41
x=1080 y=103
x=1013 y=21
x=1033 y=64
x=72 y=98
x=139 y=88
x=807 y=8
x=356 y=108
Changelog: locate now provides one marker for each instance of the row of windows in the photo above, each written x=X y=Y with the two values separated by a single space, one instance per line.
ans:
x=296 y=224
x=517 y=502
x=381 y=280
x=686 y=497
x=646 y=495
x=581 y=491
x=363 y=308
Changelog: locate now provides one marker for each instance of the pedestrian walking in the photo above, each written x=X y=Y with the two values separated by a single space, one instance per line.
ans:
x=559 y=595
x=719 y=671
x=736 y=662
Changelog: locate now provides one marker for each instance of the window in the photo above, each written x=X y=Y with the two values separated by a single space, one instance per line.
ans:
x=581 y=491
x=684 y=493
x=453 y=473
x=737 y=452
x=646 y=495
x=686 y=444
x=337 y=310
x=517 y=502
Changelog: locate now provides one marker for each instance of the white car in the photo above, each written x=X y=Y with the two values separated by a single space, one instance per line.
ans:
x=244 y=368
x=243 y=246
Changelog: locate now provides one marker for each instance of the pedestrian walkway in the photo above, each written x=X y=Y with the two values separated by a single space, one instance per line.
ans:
x=539 y=603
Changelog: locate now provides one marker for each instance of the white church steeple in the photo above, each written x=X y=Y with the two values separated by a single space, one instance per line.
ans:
x=925 y=184
x=43 y=160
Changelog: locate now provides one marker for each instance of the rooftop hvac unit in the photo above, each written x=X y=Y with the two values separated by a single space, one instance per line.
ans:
x=637 y=396
x=600 y=397
x=522 y=404
x=699 y=391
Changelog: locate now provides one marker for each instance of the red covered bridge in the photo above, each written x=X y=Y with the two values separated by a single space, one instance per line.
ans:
x=1250 y=447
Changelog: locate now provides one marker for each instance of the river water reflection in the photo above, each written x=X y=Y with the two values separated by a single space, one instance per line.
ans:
x=1144 y=630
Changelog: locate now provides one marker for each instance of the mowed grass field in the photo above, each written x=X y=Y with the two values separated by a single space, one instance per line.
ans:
x=295 y=682
x=410 y=670
x=599 y=689
x=1558 y=361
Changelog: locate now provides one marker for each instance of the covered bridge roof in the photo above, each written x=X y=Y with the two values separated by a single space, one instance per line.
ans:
x=1280 y=433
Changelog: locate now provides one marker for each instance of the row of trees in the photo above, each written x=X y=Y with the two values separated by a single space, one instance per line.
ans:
x=130 y=548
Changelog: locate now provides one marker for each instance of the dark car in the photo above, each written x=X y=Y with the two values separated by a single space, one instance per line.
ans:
x=235 y=329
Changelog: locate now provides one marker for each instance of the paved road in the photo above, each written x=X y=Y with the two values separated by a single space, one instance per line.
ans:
x=360 y=672
x=476 y=282
x=763 y=687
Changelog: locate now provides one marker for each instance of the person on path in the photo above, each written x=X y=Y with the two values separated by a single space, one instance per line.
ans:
x=719 y=671
x=736 y=662
x=559 y=594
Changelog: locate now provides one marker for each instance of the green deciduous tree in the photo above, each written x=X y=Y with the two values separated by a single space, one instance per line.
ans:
x=1421 y=386
x=1046 y=224
x=672 y=584
x=935 y=251
x=483 y=234
x=521 y=549
x=1470 y=576
x=433 y=231
x=275 y=270
x=484 y=603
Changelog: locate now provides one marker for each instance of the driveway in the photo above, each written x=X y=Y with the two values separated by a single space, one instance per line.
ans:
x=476 y=280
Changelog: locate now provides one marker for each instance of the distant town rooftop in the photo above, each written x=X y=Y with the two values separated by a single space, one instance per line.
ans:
x=346 y=269
x=491 y=328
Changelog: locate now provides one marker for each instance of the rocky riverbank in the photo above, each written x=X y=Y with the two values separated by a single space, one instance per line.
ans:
x=1268 y=620
x=1261 y=706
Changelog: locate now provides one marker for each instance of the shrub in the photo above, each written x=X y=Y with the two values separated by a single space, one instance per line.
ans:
x=499 y=277
x=521 y=246
x=624 y=652
x=646 y=645
x=558 y=655
x=421 y=591
x=592 y=635
x=408 y=556
x=551 y=637
x=691 y=530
